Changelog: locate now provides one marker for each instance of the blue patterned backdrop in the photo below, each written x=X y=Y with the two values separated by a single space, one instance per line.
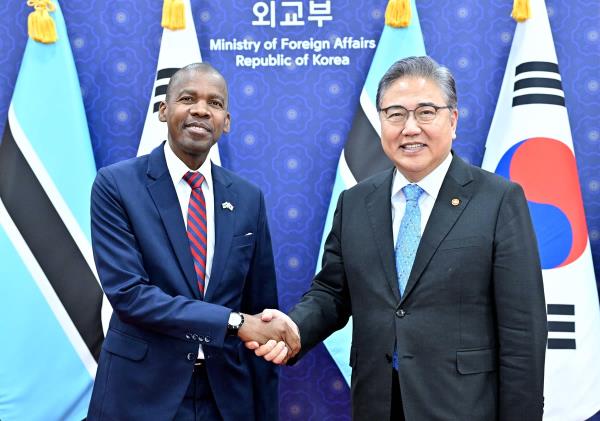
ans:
x=289 y=124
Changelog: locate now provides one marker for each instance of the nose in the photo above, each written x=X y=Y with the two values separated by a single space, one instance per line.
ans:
x=411 y=127
x=199 y=108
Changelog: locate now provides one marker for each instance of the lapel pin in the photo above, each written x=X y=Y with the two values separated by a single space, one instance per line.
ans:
x=227 y=205
x=455 y=201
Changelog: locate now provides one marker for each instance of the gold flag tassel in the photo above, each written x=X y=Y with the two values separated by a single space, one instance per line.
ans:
x=40 y=25
x=173 y=16
x=397 y=13
x=521 y=11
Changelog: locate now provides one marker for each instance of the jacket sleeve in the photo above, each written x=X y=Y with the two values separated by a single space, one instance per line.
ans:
x=520 y=311
x=134 y=298
x=326 y=306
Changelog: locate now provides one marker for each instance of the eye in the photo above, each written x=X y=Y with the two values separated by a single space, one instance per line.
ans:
x=185 y=98
x=396 y=114
x=216 y=103
x=426 y=111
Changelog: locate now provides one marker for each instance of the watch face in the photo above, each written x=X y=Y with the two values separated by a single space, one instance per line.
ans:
x=235 y=319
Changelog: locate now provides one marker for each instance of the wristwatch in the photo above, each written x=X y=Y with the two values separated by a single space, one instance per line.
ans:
x=236 y=320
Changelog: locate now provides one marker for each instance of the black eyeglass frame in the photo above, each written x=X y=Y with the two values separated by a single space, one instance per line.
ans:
x=437 y=108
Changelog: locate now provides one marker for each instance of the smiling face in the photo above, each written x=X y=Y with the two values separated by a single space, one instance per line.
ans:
x=417 y=149
x=196 y=114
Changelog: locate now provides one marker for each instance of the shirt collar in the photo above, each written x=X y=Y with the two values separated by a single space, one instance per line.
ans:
x=177 y=168
x=431 y=183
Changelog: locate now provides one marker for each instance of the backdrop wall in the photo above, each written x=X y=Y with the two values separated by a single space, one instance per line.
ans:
x=289 y=123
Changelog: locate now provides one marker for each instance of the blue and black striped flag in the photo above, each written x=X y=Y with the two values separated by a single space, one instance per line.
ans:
x=50 y=298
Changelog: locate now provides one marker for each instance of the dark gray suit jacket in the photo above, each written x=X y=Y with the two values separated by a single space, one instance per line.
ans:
x=471 y=326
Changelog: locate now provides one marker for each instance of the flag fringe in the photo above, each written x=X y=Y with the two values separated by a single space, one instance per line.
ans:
x=397 y=13
x=173 y=16
x=521 y=10
x=40 y=25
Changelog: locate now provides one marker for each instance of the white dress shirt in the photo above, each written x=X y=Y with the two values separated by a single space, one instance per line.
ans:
x=431 y=184
x=177 y=169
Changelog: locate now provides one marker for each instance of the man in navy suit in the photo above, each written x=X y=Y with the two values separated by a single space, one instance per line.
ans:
x=184 y=266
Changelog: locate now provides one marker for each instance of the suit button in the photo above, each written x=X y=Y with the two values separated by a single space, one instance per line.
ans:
x=200 y=339
x=188 y=336
x=191 y=356
x=207 y=339
x=195 y=337
x=400 y=313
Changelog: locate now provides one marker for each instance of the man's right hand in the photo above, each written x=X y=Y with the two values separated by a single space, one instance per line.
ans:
x=273 y=336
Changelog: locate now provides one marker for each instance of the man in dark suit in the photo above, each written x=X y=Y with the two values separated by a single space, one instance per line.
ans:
x=184 y=255
x=436 y=261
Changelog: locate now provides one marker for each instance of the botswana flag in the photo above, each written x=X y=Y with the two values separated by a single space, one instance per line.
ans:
x=50 y=298
x=363 y=155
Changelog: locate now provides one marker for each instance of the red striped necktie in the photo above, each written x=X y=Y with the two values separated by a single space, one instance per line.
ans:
x=197 y=226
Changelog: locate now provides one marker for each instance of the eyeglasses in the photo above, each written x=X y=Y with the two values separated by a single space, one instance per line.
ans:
x=424 y=114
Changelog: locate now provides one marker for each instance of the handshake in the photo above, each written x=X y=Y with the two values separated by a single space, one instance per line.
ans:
x=271 y=335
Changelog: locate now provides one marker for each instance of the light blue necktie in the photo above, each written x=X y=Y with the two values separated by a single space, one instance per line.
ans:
x=407 y=243
x=409 y=235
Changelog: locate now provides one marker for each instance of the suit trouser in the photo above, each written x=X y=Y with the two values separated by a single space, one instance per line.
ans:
x=397 y=413
x=198 y=403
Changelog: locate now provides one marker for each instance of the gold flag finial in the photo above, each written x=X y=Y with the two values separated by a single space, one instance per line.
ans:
x=40 y=25
x=173 y=16
x=521 y=10
x=397 y=13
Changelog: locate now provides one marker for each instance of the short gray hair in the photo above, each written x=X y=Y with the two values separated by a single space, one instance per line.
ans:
x=421 y=66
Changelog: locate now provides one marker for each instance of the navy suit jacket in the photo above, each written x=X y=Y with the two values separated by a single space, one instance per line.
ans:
x=470 y=328
x=146 y=269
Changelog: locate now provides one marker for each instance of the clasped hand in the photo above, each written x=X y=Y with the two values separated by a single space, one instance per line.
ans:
x=271 y=335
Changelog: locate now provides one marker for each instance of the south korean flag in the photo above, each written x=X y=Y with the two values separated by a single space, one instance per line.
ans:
x=178 y=48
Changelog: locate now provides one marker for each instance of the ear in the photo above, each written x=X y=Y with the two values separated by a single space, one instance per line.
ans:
x=454 y=119
x=227 y=125
x=162 y=109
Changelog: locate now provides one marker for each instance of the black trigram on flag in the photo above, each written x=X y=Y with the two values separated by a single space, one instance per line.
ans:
x=561 y=326
x=163 y=76
x=538 y=82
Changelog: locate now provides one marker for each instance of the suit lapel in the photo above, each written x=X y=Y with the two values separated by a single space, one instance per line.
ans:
x=224 y=227
x=162 y=191
x=446 y=210
x=379 y=209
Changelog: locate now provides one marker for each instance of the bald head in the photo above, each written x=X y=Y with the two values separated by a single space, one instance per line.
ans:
x=204 y=68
